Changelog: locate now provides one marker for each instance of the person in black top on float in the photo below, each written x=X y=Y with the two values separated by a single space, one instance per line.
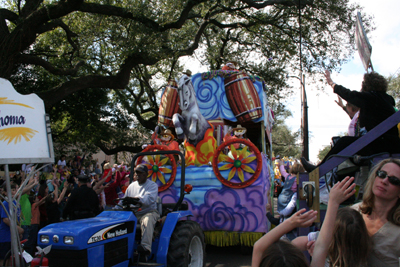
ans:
x=375 y=107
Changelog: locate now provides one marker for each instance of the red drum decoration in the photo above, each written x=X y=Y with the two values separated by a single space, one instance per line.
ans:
x=243 y=97
x=169 y=104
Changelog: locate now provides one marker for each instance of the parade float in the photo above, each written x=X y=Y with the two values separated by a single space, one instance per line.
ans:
x=230 y=179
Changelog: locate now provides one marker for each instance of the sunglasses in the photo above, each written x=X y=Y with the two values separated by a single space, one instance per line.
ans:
x=392 y=179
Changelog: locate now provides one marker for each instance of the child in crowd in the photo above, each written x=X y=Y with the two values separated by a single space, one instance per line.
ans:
x=5 y=233
x=53 y=203
x=26 y=210
x=329 y=250
x=35 y=221
x=288 y=196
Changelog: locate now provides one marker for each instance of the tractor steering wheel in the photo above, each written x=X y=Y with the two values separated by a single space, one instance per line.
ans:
x=127 y=202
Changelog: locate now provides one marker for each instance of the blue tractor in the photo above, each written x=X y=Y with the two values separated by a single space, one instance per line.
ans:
x=111 y=238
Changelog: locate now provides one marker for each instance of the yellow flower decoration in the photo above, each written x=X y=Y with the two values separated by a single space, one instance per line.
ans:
x=238 y=163
x=16 y=133
x=155 y=168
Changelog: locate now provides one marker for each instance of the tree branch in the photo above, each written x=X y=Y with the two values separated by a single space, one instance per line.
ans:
x=115 y=150
x=123 y=13
x=6 y=14
x=263 y=4
x=118 y=81
x=29 y=7
x=28 y=59
x=59 y=23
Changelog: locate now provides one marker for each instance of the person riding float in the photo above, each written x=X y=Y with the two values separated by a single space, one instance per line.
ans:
x=238 y=133
x=165 y=138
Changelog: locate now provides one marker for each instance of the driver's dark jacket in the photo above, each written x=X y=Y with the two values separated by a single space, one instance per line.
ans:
x=83 y=203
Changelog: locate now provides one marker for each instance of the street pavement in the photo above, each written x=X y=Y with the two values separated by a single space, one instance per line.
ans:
x=227 y=257
x=230 y=256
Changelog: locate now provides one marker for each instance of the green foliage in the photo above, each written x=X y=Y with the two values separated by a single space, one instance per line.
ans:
x=394 y=87
x=100 y=65
x=284 y=141
x=323 y=152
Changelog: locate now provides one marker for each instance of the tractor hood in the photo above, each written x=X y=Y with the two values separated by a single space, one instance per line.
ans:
x=85 y=233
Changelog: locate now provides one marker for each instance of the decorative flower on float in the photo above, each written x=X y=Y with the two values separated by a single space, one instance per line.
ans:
x=237 y=164
x=156 y=168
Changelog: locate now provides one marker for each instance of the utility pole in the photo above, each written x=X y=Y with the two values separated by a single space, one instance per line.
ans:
x=304 y=119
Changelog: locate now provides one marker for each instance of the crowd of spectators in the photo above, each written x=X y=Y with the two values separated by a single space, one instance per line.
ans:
x=46 y=195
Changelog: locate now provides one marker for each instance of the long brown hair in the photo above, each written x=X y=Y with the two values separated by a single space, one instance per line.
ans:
x=296 y=168
x=283 y=253
x=351 y=243
x=367 y=204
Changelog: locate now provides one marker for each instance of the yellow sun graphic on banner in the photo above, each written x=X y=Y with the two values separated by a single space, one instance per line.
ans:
x=16 y=134
x=4 y=101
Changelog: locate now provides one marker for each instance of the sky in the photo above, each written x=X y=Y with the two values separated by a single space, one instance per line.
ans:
x=325 y=117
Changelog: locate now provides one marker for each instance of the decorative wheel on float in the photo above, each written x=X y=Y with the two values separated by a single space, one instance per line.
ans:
x=156 y=166
x=239 y=164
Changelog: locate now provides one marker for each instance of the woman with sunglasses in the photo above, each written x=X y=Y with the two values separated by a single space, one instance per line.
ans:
x=380 y=209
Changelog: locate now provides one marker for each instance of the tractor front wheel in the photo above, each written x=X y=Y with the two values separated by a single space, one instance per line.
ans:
x=187 y=247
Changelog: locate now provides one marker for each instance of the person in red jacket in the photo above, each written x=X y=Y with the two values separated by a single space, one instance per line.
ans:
x=238 y=133
x=165 y=138
x=111 y=190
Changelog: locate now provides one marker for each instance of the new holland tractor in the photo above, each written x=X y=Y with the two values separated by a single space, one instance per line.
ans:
x=111 y=238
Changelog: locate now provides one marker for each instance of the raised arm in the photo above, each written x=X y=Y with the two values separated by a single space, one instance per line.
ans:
x=282 y=169
x=339 y=193
x=290 y=206
x=300 y=242
x=329 y=79
x=100 y=188
x=29 y=186
x=42 y=200
x=299 y=219
x=59 y=199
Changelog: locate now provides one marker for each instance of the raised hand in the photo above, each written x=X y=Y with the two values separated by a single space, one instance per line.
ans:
x=310 y=247
x=302 y=218
x=342 y=190
x=340 y=102
x=328 y=77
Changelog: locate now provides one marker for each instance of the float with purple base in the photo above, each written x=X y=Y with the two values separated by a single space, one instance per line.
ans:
x=230 y=192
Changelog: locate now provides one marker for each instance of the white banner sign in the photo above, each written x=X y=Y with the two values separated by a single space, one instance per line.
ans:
x=24 y=134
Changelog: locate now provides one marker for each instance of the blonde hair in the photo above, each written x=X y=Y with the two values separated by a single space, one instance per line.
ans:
x=351 y=243
x=367 y=205
x=107 y=166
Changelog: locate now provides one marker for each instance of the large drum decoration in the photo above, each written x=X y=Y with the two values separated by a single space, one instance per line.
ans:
x=169 y=104
x=243 y=97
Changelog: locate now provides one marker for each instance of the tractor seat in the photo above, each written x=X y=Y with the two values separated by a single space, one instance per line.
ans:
x=169 y=207
x=165 y=209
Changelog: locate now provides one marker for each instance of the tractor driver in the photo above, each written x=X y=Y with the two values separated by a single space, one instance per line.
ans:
x=145 y=192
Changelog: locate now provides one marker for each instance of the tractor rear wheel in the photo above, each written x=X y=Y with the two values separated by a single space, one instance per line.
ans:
x=187 y=247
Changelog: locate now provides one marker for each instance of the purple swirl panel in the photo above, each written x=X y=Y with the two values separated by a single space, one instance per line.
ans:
x=217 y=207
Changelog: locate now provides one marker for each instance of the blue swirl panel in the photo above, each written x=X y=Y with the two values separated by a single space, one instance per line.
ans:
x=212 y=100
